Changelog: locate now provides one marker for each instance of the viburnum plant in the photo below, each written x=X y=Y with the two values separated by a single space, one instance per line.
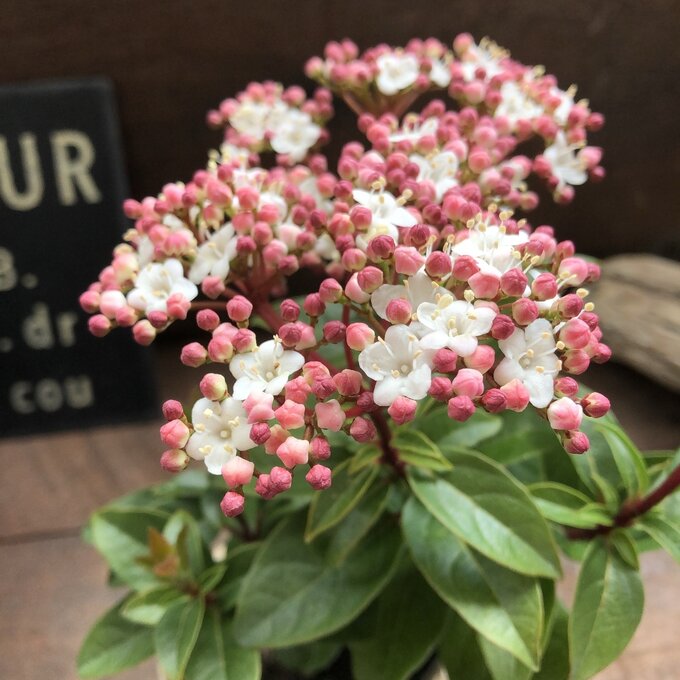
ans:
x=386 y=466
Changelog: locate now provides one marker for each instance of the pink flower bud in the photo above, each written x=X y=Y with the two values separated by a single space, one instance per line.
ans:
x=158 y=319
x=602 y=353
x=220 y=349
x=544 y=286
x=213 y=386
x=573 y=270
x=99 y=325
x=464 y=267
x=320 y=448
x=575 y=334
x=314 y=371
x=174 y=460
x=244 y=340
x=313 y=305
x=330 y=291
x=402 y=410
x=524 y=311
x=258 y=406
x=359 y=336
x=194 y=354
x=319 y=477
x=293 y=452
x=460 y=408
x=407 y=260
x=290 y=310
x=89 y=301
x=362 y=430
x=354 y=291
x=440 y=388
x=280 y=479
x=298 y=390
x=260 y=433
x=126 y=316
x=444 y=360
x=575 y=361
x=568 y=306
x=494 y=400
x=482 y=359
x=172 y=409
x=213 y=287
x=143 y=332
x=516 y=394
x=595 y=405
x=237 y=471
x=348 y=382
x=263 y=487
x=329 y=415
x=502 y=327
x=575 y=441
x=322 y=389
x=438 y=265
x=468 y=382
x=178 y=306
x=399 y=311
x=370 y=279
x=353 y=259
x=514 y=282
x=380 y=248
x=484 y=285
x=111 y=301
x=366 y=403
x=565 y=414
x=566 y=387
x=334 y=331
x=207 y=320
x=290 y=414
x=232 y=504
x=239 y=308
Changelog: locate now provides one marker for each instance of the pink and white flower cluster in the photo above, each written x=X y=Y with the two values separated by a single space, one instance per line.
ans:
x=419 y=272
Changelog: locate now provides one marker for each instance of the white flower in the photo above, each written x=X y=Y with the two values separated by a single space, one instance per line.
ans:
x=565 y=163
x=440 y=73
x=250 y=119
x=530 y=357
x=561 y=113
x=388 y=214
x=214 y=255
x=516 y=104
x=417 y=289
x=396 y=71
x=156 y=283
x=295 y=134
x=455 y=324
x=230 y=153
x=325 y=248
x=266 y=369
x=413 y=131
x=220 y=430
x=438 y=169
x=478 y=56
x=398 y=365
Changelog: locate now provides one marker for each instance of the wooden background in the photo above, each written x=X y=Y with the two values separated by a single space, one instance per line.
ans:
x=172 y=60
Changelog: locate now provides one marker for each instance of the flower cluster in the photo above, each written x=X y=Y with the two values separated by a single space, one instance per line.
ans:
x=420 y=275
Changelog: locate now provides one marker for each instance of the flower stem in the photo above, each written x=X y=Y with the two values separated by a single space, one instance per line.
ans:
x=390 y=455
x=349 y=357
x=631 y=509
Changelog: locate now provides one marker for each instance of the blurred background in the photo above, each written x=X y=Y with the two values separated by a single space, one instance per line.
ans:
x=169 y=63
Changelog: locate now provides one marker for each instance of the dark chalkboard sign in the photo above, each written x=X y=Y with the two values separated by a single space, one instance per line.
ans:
x=62 y=183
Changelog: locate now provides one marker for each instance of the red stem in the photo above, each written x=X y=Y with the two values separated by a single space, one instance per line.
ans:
x=390 y=456
x=630 y=510
x=349 y=357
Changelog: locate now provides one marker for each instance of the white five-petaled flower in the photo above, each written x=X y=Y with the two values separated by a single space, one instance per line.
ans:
x=566 y=97
x=214 y=255
x=439 y=169
x=455 y=324
x=565 y=163
x=156 y=283
x=399 y=366
x=221 y=429
x=478 y=56
x=295 y=134
x=266 y=369
x=396 y=72
x=440 y=73
x=250 y=119
x=388 y=214
x=516 y=104
x=413 y=131
x=530 y=357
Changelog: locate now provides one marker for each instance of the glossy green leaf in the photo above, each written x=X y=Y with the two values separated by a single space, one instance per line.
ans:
x=113 y=644
x=211 y=577
x=485 y=507
x=502 y=605
x=334 y=504
x=176 y=635
x=665 y=532
x=217 y=656
x=182 y=530
x=555 y=661
x=239 y=561
x=620 y=539
x=448 y=433
x=459 y=651
x=365 y=456
x=293 y=594
x=308 y=660
x=501 y=664
x=628 y=459
x=569 y=507
x=149 y=607
x=121 y=536
x=607 y=609
x=407 y=626
x=418 y=450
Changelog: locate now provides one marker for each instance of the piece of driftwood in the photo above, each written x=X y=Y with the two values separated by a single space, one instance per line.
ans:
x=638 y=302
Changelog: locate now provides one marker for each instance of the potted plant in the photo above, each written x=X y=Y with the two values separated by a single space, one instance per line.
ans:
x=386 y=470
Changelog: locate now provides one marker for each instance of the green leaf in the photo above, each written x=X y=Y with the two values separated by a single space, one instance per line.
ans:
x=569 y=507
x=358 y=523
x=211 y=577
x=308 y=660
x=148 y=607
x=665 y=532
x=502 y=605
x=459 y=651
x=485 y=507
x=217 y=656
x=447 y=433
x=625 y=546
x=409 y=620
x=239 y=561
x=293 y=594
x=628 y=459
x=114 y=644
x=365 y=456
x=416 y=449
x=182 y=530
x=555 y=661
x=332 y=505
x=120 y=535
x=176 y=636
x=501 y=664
x=607 y=609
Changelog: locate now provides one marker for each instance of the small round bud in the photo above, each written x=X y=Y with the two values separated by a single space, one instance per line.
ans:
x=440 y=389
x=576 y=442
x=232 y=504
x=494 y=400
x=444 y=360
x=213 y=386
x=174 y=460
x=524 y=311
x=260 y=433
x=502 y=327
x=239 y=308
x=595 y=405
x=514 y=282
x=207 y=320
x=438 y=265
x=237 y=471
x=565 y=414
x=460 y=408
x=172 y=409
x=402 y=410
x=194 y=354
x=319 y=477
x=468 y=382
x=359 y=336
x=320 y=449
x=398 y=311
